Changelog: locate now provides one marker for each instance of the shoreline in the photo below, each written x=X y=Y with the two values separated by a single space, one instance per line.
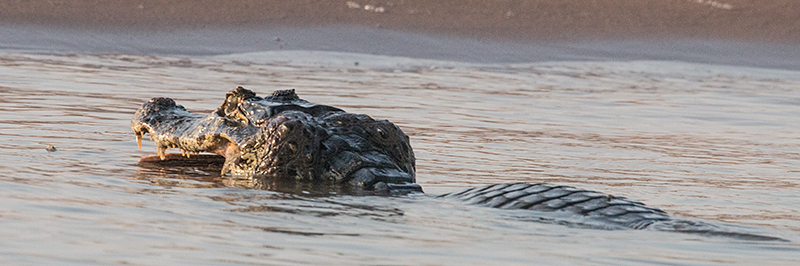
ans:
x=732 y=32
x=359 y=40
x=767 y=21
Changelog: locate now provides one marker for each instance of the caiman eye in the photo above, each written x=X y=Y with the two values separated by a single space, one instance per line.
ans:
x=381 y=132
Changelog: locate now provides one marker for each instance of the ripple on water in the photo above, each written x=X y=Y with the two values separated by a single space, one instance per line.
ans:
x=719 y=143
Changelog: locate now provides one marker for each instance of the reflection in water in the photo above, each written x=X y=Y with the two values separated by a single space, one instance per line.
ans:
x=716 y=143
x=203 y=171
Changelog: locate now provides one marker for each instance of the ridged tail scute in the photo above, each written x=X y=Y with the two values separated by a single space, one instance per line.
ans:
x=553 y=198
x=592 y=209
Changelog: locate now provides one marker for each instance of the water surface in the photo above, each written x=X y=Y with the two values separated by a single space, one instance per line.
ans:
x=708 y=142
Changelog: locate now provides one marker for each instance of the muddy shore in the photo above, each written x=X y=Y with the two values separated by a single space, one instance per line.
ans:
x=742 y=32
x=751 y=20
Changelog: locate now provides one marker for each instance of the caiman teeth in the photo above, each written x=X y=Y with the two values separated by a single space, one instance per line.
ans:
x=139 y=140
x=161 y=153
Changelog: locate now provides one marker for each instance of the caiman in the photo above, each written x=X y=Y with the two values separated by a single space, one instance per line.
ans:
x=282 y=137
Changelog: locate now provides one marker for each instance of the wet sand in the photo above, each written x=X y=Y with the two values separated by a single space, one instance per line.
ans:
x=742 y=32
x=752 y=20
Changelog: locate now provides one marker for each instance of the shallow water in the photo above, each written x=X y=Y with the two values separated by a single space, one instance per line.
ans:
x=709 y=142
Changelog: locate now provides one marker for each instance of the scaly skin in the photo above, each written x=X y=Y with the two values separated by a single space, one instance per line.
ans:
x=282 y=136
x=612 y=210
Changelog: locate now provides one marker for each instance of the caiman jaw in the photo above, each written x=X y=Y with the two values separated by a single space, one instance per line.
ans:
x=222 y=147
x=171 y=126
x=161 y=154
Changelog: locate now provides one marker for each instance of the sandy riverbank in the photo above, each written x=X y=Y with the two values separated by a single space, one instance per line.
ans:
x=744 y=32
x=750 y=20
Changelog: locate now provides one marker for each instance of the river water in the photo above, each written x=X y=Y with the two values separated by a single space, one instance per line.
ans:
x=708 y=142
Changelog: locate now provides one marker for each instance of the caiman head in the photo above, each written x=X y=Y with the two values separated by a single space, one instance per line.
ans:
x=283 y=137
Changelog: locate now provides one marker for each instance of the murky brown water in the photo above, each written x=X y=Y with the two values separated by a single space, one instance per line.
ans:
x=716 y=143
